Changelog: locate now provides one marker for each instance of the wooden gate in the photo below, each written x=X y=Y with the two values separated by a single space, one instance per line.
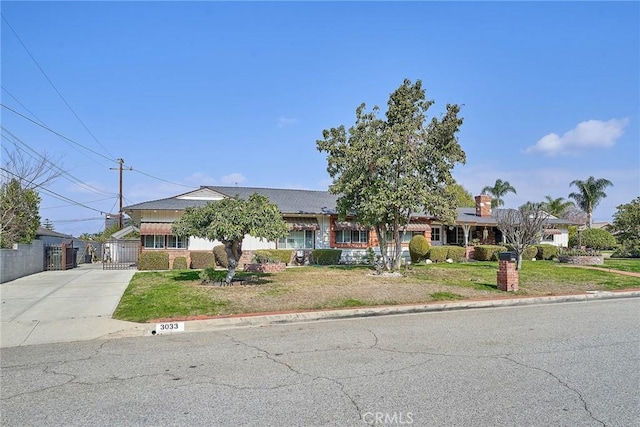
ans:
x=120 y=254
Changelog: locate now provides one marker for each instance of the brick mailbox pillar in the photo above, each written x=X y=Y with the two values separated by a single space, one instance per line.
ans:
x=507 y=273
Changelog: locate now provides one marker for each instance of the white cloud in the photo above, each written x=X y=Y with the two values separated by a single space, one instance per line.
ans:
x=286 y=121
x=233 y=179
x=199 y=178
x=589 y=134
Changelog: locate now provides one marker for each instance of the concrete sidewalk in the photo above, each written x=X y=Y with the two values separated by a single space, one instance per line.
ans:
x=63 y=306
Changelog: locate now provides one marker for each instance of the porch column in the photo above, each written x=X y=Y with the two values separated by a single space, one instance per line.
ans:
x=467 y=229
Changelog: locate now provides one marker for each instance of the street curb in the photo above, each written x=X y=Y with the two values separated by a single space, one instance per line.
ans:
x=284 y=318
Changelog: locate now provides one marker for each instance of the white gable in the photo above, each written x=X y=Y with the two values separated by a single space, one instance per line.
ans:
x=202 y=194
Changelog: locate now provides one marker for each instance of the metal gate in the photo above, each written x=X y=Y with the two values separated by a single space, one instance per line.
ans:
x=60 y=257
x=120 y=254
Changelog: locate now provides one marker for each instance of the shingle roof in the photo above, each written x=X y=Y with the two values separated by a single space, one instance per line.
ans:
x=288 y=201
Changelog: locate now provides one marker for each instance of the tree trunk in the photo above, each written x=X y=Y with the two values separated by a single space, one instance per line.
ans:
x=233 y=248
x=519 y=263
x=382 y=243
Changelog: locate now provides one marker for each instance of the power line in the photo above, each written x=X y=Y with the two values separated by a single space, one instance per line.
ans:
x=163 y=180
x=44 y=124
x=64 y=174
x=54 y=86
x=57 y=133
x=68 y=204
x=56 y=195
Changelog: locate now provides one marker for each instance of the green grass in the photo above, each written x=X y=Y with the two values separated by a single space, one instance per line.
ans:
x=180 y=294
x=626 y=264
x=154 y=295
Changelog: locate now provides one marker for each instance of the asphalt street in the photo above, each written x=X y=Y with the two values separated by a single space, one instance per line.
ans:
x=567 y=364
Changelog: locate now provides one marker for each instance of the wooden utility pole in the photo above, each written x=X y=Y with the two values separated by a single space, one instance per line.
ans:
x=121 y=162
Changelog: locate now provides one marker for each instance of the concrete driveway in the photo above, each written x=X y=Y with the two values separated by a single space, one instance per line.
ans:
x=63 y=306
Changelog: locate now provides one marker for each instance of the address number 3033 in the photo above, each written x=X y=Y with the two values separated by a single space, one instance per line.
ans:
x=169 y=327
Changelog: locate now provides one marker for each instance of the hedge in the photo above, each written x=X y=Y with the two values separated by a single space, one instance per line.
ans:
x=597 y=238
x=488 y=252
x=529 y=253
x=200 y=260
x=326 y=256
x=456 y=253
x=221 y=256
x=179 y=263
x=418 y=247
x=546 y=251
x=280 y=255
x=438 y=253
x=153 y=260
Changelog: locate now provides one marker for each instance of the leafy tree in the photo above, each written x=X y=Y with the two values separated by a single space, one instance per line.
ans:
x=464 y=199
x=522 y=227
x=20 y=219
x=386 y=170
x=498 y=191
x=626 y=221
x=626 y=227
x=229 y=220
x=589 y=195
x=557 y=207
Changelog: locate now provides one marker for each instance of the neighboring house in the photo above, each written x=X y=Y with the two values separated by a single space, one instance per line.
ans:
x=313 y=224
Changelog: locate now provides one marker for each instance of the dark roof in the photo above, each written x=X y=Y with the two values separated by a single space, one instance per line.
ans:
x=288 y=201
x=50 y=233
x=297 y=202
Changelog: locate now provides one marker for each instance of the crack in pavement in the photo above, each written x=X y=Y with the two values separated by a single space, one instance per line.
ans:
x=344 y=392
x=561 y=382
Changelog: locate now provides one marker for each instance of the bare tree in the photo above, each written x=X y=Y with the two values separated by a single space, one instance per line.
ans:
x=522 y=227
x=29 y=170
x=20 y=175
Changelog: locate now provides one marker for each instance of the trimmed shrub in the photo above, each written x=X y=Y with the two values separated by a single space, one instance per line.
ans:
x=546 y=251
x=274 y=255
x=438 y=253
x=211 y=275
x=326 y=256
x=529 y=253
x=456 y=253
x=220 y=255
x=179 y=263
x=201 y=260
x=153 y=260
x=488 y=252
x=418 y=247
x=597 y=238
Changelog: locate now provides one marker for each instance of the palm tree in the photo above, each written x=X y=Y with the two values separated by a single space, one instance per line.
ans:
x=590 y=194
x=557 y=207
x=499 y=189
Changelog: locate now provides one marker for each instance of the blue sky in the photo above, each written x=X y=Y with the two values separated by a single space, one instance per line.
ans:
x=213 y=93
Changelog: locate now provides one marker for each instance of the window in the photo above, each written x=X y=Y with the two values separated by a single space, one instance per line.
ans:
x=297 y=240
x=409 y=235
x=547 y=238
x=435 y=234
x=352 y=236
x=175 y=242
x=154 y=241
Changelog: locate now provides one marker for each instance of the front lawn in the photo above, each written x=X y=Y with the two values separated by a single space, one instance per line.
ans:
x=624 y=264
x=179 y=294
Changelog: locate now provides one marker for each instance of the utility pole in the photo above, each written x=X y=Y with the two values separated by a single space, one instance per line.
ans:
x=121 y=162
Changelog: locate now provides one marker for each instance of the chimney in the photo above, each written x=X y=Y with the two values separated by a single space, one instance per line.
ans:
x=483 y=205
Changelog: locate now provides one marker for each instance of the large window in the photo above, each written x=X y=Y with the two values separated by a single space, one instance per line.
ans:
x=175 y=242
x=160 y=241
x=435 y=234
x=352 y=236
x=297 y=240
x=154 y=241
